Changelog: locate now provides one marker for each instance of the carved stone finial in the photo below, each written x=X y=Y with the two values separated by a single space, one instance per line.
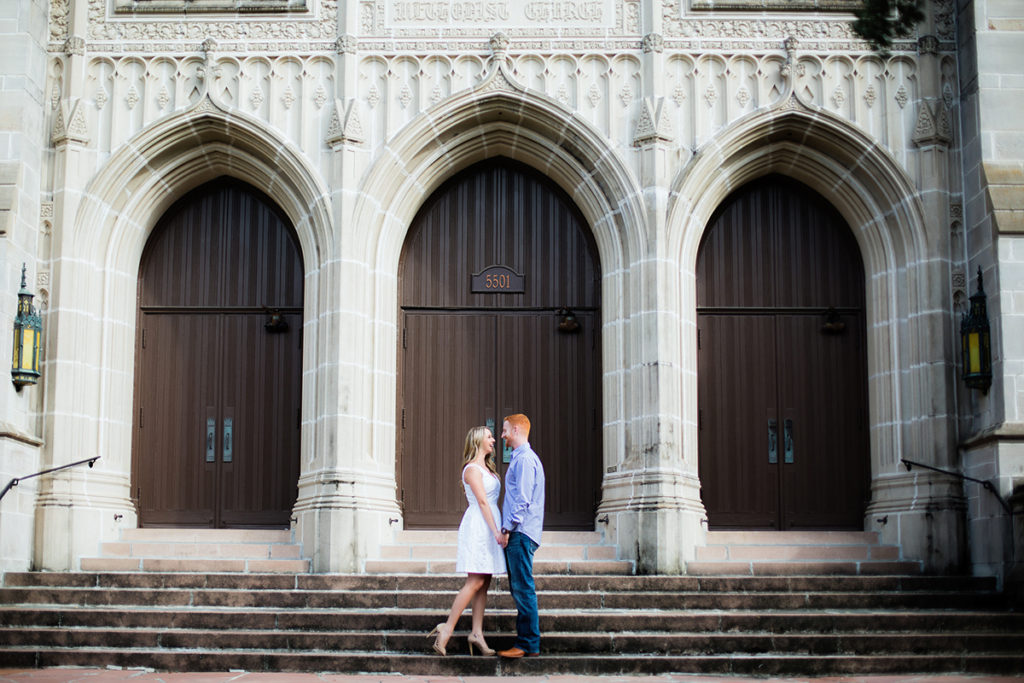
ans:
x=653 y=42
x=346 y=44
x=499 y=43
x=345 y=126
x=209 y=46
x=70 y=125
x=654 y=125
x=933 y=127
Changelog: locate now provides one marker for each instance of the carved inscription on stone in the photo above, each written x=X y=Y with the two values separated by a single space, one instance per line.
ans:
x=499 y=13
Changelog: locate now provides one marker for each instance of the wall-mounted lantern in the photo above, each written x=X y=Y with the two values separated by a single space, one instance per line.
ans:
x=975 y=343
x=28 y=330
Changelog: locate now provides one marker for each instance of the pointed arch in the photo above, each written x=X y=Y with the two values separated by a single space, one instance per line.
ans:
x=96 y=265
x=904 y=266
x=502 y=118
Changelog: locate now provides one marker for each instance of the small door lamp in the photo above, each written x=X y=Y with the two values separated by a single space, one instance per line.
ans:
x=975 y=342
x=28 y=329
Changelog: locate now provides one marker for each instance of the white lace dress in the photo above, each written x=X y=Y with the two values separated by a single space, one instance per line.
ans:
x=478 y=552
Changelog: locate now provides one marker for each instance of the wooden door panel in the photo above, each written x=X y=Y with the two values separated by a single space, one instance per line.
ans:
x=261 y=378
x=448 y=387
x=217 y=262
x=779 y=256
x=501 y=213
x=736 y=397
x=562 y=400
x=175 y=484
x=821 y=379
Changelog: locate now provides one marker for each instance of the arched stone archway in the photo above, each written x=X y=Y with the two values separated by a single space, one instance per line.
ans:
x=906 y=299
x=95 y=265
x=645 y=495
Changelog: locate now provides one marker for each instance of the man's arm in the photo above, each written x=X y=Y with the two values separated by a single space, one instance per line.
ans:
x=520 y=493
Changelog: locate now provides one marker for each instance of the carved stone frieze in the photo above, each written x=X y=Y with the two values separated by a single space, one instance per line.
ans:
x=164 y=31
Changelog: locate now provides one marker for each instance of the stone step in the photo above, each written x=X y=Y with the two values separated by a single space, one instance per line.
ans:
x=420 y=551
x=777 y=553
x=599 y=624
x=200 y=550
x=498 y=599
x=503 y=621
x=577 y=664
x=597 y=642
x=451 y=582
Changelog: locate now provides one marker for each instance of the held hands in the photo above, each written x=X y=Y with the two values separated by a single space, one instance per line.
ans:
x=502 y=540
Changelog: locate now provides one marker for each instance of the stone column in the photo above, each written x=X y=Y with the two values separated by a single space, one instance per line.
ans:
x=651 y=501
x=78 y=507
x=347 y=485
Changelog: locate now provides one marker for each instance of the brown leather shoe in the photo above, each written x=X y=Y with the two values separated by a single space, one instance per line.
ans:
x=516 y=653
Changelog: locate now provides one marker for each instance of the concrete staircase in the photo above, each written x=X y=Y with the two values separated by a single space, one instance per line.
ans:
x=563 y=552
x=739 y=625
x=200 y=550
x=772 y=553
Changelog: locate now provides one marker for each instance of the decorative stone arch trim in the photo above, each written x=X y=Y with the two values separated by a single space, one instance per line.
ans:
x=95 y=273
x=905 y=269
x=502 y=118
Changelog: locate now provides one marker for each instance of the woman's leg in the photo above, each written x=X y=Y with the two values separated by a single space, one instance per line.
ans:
x=479 y=605
x=463 y=598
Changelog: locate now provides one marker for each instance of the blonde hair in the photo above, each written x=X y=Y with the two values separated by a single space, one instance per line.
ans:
x=474 y=438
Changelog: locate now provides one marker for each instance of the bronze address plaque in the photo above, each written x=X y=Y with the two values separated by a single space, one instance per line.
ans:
x=497 y=280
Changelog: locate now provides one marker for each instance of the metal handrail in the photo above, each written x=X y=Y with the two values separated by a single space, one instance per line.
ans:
x=985 y=484
x=14 y=482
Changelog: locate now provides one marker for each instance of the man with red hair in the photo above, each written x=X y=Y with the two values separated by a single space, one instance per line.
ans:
x=522 y=520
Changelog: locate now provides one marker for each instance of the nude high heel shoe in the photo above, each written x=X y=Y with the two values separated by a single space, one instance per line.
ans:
x=480 y=645
x=441 y=631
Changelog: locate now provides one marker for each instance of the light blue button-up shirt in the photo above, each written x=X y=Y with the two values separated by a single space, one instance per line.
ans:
x=523 y=510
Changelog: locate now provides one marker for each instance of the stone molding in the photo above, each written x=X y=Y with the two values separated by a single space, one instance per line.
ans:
x=1004 y=193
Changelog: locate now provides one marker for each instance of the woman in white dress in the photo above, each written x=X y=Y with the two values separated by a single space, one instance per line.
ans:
x=481 y=543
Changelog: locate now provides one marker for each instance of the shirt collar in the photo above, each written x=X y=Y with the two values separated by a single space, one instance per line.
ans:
x=525 y=446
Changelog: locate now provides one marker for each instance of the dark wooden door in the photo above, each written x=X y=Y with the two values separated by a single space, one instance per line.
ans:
x=217 y=400
x=471 y=357
x=782 y=376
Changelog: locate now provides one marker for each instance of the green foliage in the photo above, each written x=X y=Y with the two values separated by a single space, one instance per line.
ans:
x=880 y=22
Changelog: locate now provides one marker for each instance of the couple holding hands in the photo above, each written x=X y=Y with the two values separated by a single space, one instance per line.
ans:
x=485 y=548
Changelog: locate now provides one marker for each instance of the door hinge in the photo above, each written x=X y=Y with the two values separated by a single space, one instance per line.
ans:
x=143 y=337
x=700 y=420
x=698 y=339
x=405 y=337
x=142 y=413
x=403 y=418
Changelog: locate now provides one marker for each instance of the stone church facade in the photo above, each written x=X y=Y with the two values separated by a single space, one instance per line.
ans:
x=643 y=120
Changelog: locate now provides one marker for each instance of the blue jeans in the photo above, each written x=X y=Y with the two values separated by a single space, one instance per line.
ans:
x=519 y=558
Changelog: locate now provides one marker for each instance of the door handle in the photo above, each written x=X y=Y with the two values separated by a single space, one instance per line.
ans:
x=773 y=441
x=211 y=435
x=228 y=426
x=787 y=435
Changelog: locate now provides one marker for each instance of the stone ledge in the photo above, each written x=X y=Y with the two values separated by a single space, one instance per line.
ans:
x=1004 y=190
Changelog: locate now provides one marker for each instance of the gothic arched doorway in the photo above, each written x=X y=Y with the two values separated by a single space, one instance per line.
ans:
x=219 y=363
x=782 y=363
x=495 y=267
